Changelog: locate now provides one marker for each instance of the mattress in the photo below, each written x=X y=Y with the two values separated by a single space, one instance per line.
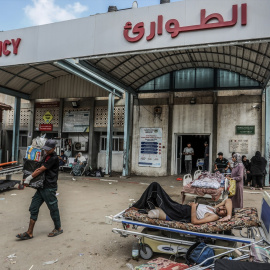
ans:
x=244 y=217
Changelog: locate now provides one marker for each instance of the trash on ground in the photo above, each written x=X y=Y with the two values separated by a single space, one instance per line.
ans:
x=13 y=194
x=110 y=183
x=57 y=194
x=130 y=266
x=131 y=200
x=81 y=254
x=31 y=267
x=1 y=199
x=73 y=179
x=50 y=262
x=172 y=186
x=145 y=184
x=12 y=256
x=108 y=180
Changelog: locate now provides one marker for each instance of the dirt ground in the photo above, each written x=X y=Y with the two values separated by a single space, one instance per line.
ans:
x=87 y=241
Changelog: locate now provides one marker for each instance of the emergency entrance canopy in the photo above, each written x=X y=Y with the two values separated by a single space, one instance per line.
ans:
x=180 y=24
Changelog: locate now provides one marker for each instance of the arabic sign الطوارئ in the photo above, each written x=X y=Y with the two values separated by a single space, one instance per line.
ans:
x=173 y=27
x=150 y=147
x=76 y=121
x=245 y=130
x=47 y=117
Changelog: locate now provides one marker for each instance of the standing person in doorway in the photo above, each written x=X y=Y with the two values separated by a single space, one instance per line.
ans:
x=47 y=194
x=206 y=157
x=246 y=164
x=188 y=153
x=257 y=169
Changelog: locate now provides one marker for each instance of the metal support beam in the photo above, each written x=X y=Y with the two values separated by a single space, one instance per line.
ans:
x=109 y=134
x=267 y=132
x=108 y=78
x=126 y=135
x=61 y=115
x=14 y=93
x=31 y=122
x=16 y=129
x=73 y=68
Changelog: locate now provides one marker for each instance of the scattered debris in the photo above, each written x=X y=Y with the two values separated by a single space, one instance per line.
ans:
x=12 y=256
x=114 y=193
x=131 y=200
x=31 y=267
x=50 y=262
x=81 y=254
x=110 y=180
x=1 y=199
x=57 y=194
x=130 y=266
x=13 y=194
x=172 y=186
x=145 y=184
x=73 y=179
x=110 y=183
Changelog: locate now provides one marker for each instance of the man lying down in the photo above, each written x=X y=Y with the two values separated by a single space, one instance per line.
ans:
x=163 y=207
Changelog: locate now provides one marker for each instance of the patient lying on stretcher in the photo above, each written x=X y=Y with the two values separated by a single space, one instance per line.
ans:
x=163 y=207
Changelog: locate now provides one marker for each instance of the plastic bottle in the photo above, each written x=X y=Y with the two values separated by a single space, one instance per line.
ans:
x=135 y=251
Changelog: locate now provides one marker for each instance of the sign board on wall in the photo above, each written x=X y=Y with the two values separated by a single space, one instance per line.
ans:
x=239 y=146
x=150 y=147
x=246 y=130
x=45 y=127
x=76 y=121
x=47 y=117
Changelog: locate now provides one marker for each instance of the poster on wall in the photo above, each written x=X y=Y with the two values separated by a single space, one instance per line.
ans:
x=76 y=121
x=239 y=146
x=150 y=147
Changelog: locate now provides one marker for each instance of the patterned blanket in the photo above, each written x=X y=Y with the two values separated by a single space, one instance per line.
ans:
x=215 y=193
x=245 y=217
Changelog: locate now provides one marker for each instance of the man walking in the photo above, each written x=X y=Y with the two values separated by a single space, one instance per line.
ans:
x=188 y=153
x=206 y=157
x=47 y=194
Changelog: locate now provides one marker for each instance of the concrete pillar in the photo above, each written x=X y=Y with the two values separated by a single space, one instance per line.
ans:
x=214 y=131
x=16 y=129
x=31 y=122
x=91 y=132
x=170 y=134
x=109 y=134
x=267 y=131
x=60 y=118
x=126 y=153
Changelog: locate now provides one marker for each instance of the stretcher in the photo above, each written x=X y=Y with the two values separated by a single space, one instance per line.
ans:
x=7 y=170
x=173 y=241
x=188 y=178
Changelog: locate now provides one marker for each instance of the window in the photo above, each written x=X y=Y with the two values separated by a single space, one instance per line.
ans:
x=117 y=143
x=227 y=78
x=184 y=79
x=204 y=78
x=23 y=141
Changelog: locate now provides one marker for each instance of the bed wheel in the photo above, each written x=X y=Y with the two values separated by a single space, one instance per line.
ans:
x=146 y=252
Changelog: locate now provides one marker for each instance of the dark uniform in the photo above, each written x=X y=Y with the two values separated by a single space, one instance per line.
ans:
x=47 y=194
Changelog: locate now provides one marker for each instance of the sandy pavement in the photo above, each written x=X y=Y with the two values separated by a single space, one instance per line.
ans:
x=87 y=241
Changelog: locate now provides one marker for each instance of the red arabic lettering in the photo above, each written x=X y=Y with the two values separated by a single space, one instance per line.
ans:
x=173 y=27
x=152 y=31
x=138 y=29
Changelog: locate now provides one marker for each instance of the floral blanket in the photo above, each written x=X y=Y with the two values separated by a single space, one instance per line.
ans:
x=215 y=193
x=245 y=217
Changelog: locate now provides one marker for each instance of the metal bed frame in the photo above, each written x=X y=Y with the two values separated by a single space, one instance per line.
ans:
x=242 y=252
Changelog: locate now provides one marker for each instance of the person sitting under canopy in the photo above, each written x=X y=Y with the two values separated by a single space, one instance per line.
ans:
x=156 y=197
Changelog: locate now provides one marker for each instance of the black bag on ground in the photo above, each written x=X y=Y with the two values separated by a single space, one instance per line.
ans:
x=198 y=253
x=28 y=168
x=239 y=265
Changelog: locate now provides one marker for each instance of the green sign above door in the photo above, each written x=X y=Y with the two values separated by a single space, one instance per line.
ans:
x=245 y=130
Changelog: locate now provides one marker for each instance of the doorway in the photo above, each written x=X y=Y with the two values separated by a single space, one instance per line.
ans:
x=197 y=143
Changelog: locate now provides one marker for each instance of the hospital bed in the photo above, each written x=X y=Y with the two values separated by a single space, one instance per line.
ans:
x=165 y=239
x=188 y=179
